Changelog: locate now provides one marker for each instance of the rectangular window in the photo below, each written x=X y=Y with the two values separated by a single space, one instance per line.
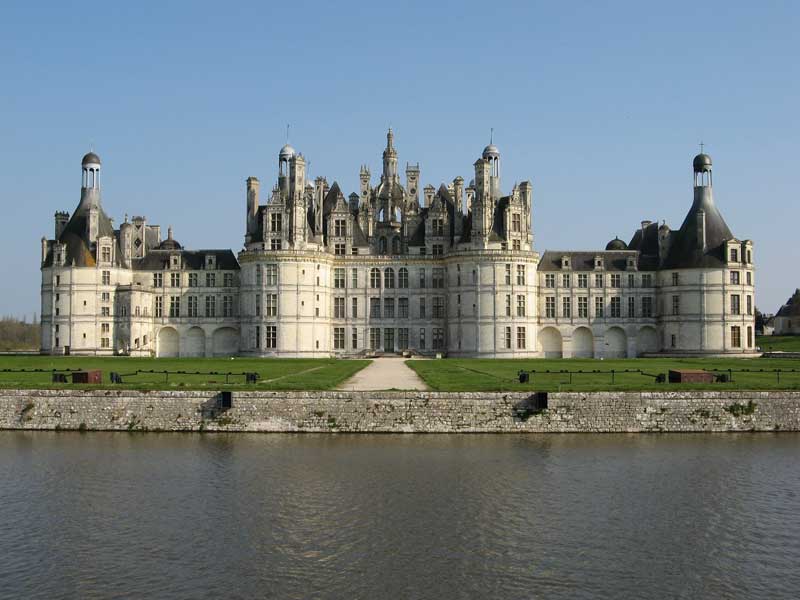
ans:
x=521 y=275
x=211 y=306
x=272 y=337
x=438 y=278
x=375 y=308
x=106 y=277
x=402 y=308
x=422 y=308
x=375 y=278
x=105 y=311
x=402 y=278
x=192 y=279
x=272 y=305
x=105 y=254
x=354 y=339
x=734 y=277
x=159 y=310
x=258 y=305
x=275 y=244
x=104 y=343
x=616 y=280
x=227 y=280
x=647 y=280
x=388 y=339
x=374 y=338
x=354 y=278
x=550 y=307
x=402 y=338
x=388 y=308
x=616 y=307
x=211 y=279
x=438 y=249
x=508 y=274
x=272 y=274
x=749 y=337
x=676 y=305
x=422 y=278
x=438 y=338
x=521 y=338
x=598 y=280
x=736 y=336
x=520 y=306
x=583 y=307
x=674 y=279
x=566 y=307
x=631 y=307
x=437 y=227
x=647 y=307
x=565 y=280
x=340 y=230
x=516 y=222
x=104 y=297
x=191 y=306
x=508 y=338
x=749 y=305
x=631 y=280
x=175 y=280
x=673 y=340
x=227 y=306
x=339 y=278
x=422 y=338
x=598 y=307
x=735 y=307
x=105 y=328
x=257 y=340
x=338 y=338
x=508 y=305
x=174 y=306
x=275 y=222
x=734 y=256
x=355 y=308
x=583 y=280
x=749 y=278
x=516 y=245
x=340 y=249
x=438 y=307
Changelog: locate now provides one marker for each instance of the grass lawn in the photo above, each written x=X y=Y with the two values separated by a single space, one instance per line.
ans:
x=778 y=343
x=455 y=374
x=275 y=374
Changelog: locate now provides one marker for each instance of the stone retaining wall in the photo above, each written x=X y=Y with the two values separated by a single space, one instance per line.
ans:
x=423 y=412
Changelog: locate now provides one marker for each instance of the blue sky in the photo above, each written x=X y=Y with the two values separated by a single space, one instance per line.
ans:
x=601 y=105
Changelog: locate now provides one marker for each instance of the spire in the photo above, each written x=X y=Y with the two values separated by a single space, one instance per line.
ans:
x=390 y=139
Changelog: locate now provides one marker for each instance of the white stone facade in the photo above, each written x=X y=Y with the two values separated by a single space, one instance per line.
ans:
x=453 y=272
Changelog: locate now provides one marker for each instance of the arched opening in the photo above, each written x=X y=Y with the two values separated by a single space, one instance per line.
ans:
x=382 y=245
x=616 y=343
x=225 y=342
x=388 y=278
x=550 y=343
x=194 y=343
x=647 y=340
x=167 y=344
x=582 y=343
x=395 y=245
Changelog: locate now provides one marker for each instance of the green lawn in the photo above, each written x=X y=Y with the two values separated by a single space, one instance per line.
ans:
x=779 y=343
x=453 y=374
x=275 y=374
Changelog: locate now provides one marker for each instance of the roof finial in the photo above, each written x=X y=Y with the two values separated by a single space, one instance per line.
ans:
x=169 y=232
x=701 y=146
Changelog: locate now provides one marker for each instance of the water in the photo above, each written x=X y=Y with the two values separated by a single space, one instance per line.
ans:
x=381 y=516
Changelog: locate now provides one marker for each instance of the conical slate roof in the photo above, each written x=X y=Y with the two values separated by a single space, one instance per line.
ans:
x=686 y=252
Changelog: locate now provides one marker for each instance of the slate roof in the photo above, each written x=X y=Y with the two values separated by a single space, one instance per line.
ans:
x=792 y=306
x=158 y=260
x=584 y=260
x=685 y=252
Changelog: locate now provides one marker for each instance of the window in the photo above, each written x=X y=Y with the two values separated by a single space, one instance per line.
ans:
x=438 y=307
x=275 y=244
x=388 y=308
x=338 y=278
x=374 y=338
x=402 y=338
x=272 y=274
x=674 y=279
x=631 y=307
x=422 y=338
x=272 y=305
x=175 y=280
x=193 y=279
x=749 y=337
x=272 y=337
x=616 y=307
x=550 y=307
x=227 y=280
x=647 y=307
x=521 y=338
x=422 y=251
x=105 y=254
x=736 y=336
x=338 y=338
x=275 y=222
x=516 y=222
x=340 y=230
x=508 y=274
x=258 y=305
x=257 y=340
x=388 y=339
x=422 y=278
x=437 y=227
x=616 y=280
x=521 y=275
x=159 y=310
x=734 y=277
x=422 y=308
x=354 y=252
x=104 y=342
x=735 y=306
x=211 y=306
x=375 y=308
x=474 y=276
x=211 y=279
x=520 y=306
x=749 y=305
x=104 y=328
x=749 y=278
x=402 y=279
x=565 y=280
x=402 y=308
x=191 y=308
x=583 y=307
x=676 y=305
x=749 y=256
x=374 y=278
x=516 y=245
x=227 y=306
x=647 y=280
x=631 y=280
x=438 y=338
x=583 y=280
x=508 y=305
x=104 y=297
x=354 y=278
x=355 y=307
x=382 y=245
x=598 y=307
x=437 y=279
x=354 y=337
x=507 y=337
x=673 y=340
x=174 y=306
x=58 y=282
x=388 y=278
x=734 y=256
x=438 y=249
x=598 y=280
x=106 y=277
x=566 y=307
x=340 y=249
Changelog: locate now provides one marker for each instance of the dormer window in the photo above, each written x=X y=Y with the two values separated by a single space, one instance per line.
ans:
x=175 y=261
x=598 y=262
x=565 y=262
x=210 y=261
x=105 y=254
x=631 y=262
x=734 y=255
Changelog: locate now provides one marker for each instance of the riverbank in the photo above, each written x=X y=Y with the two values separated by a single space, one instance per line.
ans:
x=400 y=412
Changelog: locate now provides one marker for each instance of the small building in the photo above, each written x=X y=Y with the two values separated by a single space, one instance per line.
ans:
x=787 y=321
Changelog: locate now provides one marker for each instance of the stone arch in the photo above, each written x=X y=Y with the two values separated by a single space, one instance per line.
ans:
x=582 y=343
x=647 y=340
x=616 y=343
x=225 y=342
x=194 y=343
x=167 y=343
x=550 y=343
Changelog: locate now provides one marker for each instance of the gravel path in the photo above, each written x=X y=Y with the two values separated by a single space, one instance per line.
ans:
x=385 y=373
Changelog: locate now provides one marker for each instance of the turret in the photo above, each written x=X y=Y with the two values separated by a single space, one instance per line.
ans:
x=390 y=159
x=61 y=218
x=430 y=191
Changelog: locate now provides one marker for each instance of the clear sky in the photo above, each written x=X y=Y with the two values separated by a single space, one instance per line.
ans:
x=601 y=105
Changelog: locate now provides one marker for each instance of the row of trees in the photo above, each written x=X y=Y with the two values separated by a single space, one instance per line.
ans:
x=18 y=335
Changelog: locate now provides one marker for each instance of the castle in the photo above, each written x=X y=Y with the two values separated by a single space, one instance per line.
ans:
x=391 y=268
